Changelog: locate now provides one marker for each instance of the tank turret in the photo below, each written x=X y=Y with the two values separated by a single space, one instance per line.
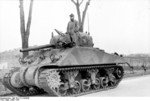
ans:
x=63 y=40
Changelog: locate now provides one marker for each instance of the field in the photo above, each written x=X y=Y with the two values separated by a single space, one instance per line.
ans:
x=12 y=57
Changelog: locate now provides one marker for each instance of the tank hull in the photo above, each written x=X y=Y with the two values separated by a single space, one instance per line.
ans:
x=68 y=72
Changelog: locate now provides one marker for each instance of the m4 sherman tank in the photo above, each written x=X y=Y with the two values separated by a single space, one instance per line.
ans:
x=64 y=68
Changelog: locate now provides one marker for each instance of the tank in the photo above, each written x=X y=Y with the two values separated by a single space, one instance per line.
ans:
x=65 y=68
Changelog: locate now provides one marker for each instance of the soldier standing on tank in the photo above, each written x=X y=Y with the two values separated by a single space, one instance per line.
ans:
x=73 y=28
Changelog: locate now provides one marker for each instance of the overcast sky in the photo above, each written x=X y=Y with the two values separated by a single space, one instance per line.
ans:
x=121 y=26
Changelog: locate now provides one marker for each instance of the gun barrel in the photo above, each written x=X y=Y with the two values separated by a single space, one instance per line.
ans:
x=59 y=32
x=37 y=48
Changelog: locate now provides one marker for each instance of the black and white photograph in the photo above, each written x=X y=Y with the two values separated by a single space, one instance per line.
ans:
x=74 y=48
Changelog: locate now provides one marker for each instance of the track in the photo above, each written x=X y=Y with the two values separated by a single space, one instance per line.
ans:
x=52 y=92
x=46 y=89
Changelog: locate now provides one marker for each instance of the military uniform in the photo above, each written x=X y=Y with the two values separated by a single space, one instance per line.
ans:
x=72 y=26
x=72 y=29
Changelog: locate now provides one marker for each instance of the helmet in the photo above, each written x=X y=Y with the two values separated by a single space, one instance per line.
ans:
x=71 y=15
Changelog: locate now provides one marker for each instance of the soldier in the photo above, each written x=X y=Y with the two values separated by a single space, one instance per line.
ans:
x=72 y=28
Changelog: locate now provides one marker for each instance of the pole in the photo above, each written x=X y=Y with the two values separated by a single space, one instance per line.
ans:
x=88 y=24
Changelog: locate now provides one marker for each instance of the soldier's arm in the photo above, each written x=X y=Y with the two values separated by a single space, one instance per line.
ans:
x=77 y=26
x=68 y=27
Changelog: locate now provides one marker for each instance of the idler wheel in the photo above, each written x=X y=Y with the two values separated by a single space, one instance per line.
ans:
x=119 y=73
x=77 y=87
x=104 y=82
x=15 y=80
x=85 y=84
x=97 y=84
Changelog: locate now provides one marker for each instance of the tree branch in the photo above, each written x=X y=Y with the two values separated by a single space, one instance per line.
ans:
x=81 y=2
x=74 y=2
x=22 y=20
x=29 y=19
x=84 y=12
x=79 y=14
x=78 y=10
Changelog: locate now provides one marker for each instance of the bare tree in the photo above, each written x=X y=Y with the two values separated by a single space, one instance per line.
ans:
x=25 y=32
x=78 y=4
